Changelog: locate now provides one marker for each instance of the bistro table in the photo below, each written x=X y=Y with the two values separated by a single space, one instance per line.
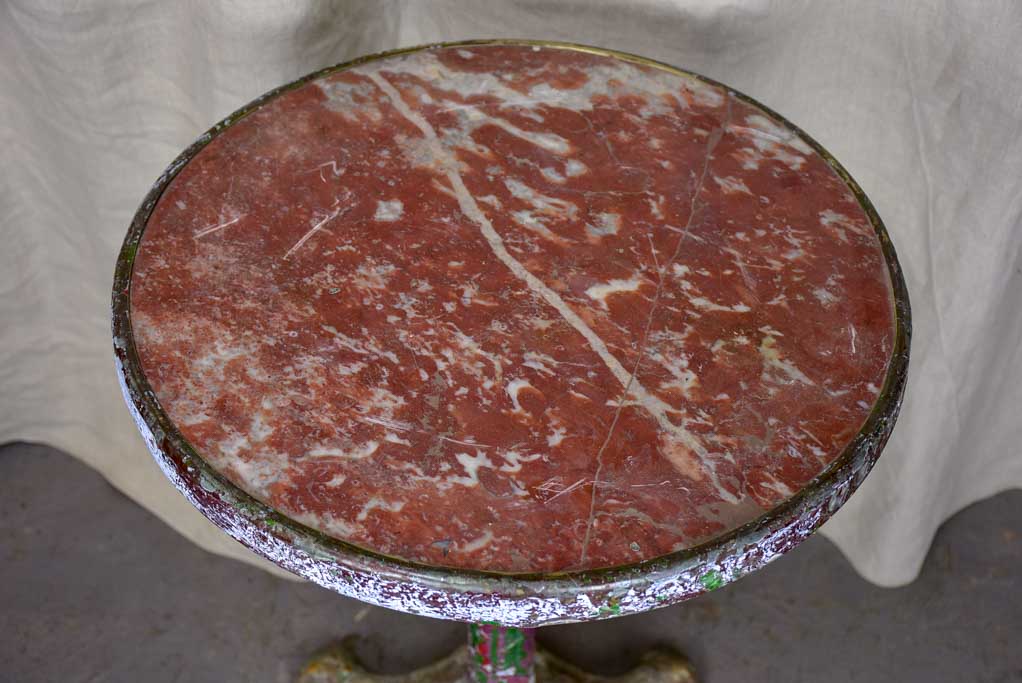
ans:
x=512 y=333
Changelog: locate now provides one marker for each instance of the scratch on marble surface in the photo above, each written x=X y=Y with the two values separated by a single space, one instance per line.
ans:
x=711 y=144
x=568 y=489
x=337 y=171
x=202 y=232
x=476 y=444
x=665 y=482
x=316 y=228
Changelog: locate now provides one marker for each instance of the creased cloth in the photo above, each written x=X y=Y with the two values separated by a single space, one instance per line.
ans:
x=922 y=102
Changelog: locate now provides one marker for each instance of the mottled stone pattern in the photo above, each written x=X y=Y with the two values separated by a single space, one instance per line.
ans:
x=513 y=309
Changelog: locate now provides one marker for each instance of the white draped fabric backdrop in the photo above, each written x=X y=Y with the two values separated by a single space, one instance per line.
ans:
x=921 y=101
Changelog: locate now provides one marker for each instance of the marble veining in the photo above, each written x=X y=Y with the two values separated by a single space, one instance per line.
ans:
x=513 y=308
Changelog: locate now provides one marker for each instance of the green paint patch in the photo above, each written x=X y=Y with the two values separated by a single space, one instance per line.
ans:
x=612 y=607
x=497 y=648
x=514 y=650
x=129 y=251
x=712 y=580
x=476 y=634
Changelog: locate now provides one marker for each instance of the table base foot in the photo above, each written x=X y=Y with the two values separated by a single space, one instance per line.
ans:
x=339 y=663
x=659 y=665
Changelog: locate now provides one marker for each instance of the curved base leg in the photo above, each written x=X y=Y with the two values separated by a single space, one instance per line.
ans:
x=660 y=664
x=339 y=663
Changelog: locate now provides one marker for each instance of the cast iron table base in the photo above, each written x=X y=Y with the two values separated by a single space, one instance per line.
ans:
x=495 y=654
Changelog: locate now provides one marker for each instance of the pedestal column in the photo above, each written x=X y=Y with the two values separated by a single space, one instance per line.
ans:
x=501 y=654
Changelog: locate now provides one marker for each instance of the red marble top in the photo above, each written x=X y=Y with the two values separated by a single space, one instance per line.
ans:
x=513 y=309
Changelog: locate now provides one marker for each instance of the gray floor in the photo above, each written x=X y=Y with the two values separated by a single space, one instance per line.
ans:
x=93 y=588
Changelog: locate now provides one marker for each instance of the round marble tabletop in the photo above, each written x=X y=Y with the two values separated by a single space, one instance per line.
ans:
x=511 y=312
